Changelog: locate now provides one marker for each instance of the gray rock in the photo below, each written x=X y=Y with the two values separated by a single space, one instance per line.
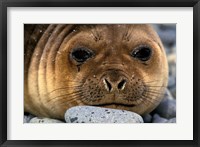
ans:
x=167 y=95
x=173 y=91
x=147 y=118
x=27 y=118
x=158 y=119
x=168 y=37
x=167 y=33
x=172 y=120
x=171 y=82
x=167 y=108
x=44 y=120
x=174 y=49
x=91 y=114
x=168 y=50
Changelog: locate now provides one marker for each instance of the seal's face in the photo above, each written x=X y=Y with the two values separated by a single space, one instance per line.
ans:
x=115 y=66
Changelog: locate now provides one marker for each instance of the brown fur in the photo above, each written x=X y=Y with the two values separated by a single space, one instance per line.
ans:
x=54 y=82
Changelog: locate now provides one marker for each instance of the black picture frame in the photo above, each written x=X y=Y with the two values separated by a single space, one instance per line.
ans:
x=4 y=4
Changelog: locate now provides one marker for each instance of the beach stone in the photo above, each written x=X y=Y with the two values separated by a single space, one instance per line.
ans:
x=44 y=120
x=167 y=34
x=167 y=95
x=172 y=120
x=171 y=81
x=147 y=118
x=92 y=114
x=167 y=108
x=157 y=119
x=172 y=70
x=173 y=92
x=28 y=117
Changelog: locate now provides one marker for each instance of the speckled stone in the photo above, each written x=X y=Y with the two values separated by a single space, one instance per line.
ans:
x=44 y=120
x=91 y=114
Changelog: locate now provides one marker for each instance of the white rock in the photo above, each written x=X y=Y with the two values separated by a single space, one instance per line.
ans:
x=92 y=114
x=44 y=120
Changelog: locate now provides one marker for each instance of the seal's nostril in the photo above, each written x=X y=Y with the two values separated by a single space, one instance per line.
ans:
x=122 y=84
x=107 y=85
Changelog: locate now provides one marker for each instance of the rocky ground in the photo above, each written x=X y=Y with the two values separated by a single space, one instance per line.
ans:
x=164 y=113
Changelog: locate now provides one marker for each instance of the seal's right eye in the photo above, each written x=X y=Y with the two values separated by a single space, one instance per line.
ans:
x=81 y=54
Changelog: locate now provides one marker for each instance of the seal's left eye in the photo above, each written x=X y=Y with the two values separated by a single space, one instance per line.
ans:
x=142 y=53
x=81 y=54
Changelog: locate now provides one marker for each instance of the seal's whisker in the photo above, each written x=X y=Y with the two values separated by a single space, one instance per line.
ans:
x=64 y=95
x=74 y=99
x=143 y=101
x=152 y=81
x=150 y=97
x=154 y=89
x=156 y=86
x=155 y=92
x=148 y=100
x=69 y=94
x=87 y=98
x=148 y=76
x=64 y=88
x=151 y=100
x=139 y=99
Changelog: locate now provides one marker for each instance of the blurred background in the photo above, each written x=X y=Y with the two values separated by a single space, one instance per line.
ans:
x=167 y=33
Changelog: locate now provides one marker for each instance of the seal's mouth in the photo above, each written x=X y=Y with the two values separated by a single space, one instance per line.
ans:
x=115 y=105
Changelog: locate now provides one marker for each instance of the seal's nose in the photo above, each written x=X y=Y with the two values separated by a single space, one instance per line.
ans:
x=114 y=85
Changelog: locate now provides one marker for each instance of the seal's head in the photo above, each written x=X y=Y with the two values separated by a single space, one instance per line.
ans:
x=114 y=66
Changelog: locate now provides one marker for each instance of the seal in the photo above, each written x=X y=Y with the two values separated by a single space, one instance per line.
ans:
x=114 y=66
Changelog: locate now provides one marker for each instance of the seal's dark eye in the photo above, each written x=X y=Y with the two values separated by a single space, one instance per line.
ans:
x=81 y=54
x=142 y=53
